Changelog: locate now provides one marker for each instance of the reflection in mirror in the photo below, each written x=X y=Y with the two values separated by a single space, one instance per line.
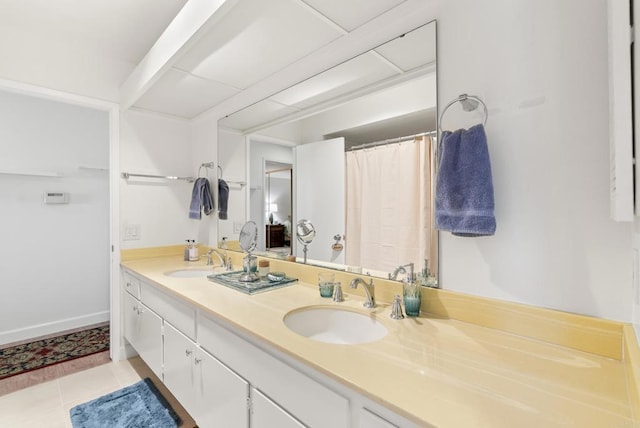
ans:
x=305 y=232
x=277 y=207
x=360 y=138
x=248 y=239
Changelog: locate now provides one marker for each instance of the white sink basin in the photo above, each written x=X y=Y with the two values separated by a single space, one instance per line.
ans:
x=335 y=325
x=189 y=273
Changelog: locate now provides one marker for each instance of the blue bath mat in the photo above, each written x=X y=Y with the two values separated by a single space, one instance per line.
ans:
x=137 y=406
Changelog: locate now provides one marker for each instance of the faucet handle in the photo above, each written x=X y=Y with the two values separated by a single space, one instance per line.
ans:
x=337 y=293
x=396 y=309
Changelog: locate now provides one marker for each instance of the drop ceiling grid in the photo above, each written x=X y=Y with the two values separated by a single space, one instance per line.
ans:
x=415 y=49
x=257 y=39
x=264 y=111
x=353 y=13
x=184 y=95
x=347 y=77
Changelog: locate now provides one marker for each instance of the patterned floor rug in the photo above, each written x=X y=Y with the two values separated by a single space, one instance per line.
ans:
x=41 y=353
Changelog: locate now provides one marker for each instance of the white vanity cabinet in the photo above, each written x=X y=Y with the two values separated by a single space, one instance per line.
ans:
x=289 y=391
x=267 y=414
x=143 y=330
x=227 y=378
x=369 y=419
x=211 y=393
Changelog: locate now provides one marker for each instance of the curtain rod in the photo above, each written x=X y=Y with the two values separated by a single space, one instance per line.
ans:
x=391 y=140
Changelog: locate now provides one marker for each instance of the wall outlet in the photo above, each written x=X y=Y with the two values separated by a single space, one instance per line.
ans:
x=131 y=232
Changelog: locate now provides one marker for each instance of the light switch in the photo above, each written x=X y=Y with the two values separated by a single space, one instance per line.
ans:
x=131 y=232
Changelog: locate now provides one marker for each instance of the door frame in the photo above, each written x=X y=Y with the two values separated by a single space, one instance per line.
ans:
x=113 y=109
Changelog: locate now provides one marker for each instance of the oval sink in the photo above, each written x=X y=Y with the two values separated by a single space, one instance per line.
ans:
x=189 y=273
x=335 y=325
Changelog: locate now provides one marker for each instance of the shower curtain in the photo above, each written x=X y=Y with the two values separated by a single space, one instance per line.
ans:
x=389 y=205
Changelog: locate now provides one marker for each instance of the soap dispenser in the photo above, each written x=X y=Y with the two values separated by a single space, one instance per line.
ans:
x=427 y=278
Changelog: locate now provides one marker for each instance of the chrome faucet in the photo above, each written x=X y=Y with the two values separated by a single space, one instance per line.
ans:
x=368 y=289
x=401 y=269
x=221 y=258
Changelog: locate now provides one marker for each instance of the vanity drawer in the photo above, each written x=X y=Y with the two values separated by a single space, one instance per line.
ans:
x=179 y=314
x=131 y=284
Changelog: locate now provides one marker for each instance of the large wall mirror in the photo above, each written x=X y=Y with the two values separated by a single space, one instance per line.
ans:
x=350 y=150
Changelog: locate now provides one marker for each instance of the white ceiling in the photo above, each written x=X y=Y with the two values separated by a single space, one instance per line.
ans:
x=240 y=45
x=252 y=41
x=122 y=29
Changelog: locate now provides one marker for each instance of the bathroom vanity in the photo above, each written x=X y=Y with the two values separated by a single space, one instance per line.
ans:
x=228 y=356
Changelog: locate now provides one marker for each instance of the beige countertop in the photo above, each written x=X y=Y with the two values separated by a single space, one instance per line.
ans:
x=442 y=372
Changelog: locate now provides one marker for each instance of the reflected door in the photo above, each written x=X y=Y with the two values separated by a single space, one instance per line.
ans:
x=320 y=196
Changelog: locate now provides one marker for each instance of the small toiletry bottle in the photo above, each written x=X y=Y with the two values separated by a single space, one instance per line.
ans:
x=223 y=245
x=428 y=279
x=424 y=274
x=186 y=251
x=193 y=251
x=263 y=268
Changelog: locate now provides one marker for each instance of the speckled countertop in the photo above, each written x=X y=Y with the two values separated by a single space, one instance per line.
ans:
x=445 y=373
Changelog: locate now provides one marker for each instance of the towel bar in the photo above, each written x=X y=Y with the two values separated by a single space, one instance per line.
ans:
x=127 y=175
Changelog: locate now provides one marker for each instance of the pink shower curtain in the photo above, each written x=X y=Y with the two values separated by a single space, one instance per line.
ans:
x=389 y=205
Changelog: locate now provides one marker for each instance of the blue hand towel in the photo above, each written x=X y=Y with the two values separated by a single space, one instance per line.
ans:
x=464 y=187
x=201 y=199
x=223 y=199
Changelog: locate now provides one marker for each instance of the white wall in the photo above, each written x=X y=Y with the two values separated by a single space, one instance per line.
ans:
x=232 y=157
x=204 y=139
x=541 y=67
x=55 y=258
x=155 y=144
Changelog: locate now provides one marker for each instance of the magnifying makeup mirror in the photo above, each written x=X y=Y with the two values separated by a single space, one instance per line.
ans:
x=305 y=232
x=248 y=242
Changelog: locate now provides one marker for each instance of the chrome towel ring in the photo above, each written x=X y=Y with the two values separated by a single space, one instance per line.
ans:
x=469 y=103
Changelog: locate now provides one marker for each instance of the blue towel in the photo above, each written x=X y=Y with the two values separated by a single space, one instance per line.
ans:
x=464 y=187
x=201 y=199
x=223 y=199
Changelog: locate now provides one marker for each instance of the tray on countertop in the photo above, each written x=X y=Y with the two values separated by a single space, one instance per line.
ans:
x=232 y=280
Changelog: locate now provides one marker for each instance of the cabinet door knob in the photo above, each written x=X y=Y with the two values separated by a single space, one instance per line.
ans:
x=197 y=360
x=188 y=352
x=128 y=284
x=135 y=309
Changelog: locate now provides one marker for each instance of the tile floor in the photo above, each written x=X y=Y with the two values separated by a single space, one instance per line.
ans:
x=47 y=404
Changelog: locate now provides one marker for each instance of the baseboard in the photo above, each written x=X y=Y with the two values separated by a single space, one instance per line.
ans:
x=128 y=352
x=45 y=329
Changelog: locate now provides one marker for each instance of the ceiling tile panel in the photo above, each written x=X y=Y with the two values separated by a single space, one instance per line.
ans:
x=415 y=49
x=353 y=13
x=256 y=39
x=347 y=77
x=122 y=29
x=180 y=94
x=261 y=112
